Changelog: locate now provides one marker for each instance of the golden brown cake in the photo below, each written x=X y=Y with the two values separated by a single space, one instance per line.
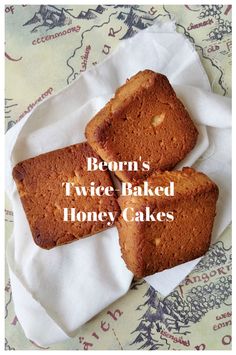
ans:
x=144 y=119
x=151 y=246
x=39 y=182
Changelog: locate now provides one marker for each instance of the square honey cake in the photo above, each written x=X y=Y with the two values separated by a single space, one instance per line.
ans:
x=149 y=246
x=40 y=181
x=144 y=122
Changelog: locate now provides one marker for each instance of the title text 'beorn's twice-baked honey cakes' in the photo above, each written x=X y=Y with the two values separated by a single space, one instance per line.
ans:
x=144 y=123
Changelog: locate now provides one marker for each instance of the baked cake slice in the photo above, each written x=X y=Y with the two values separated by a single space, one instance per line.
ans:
x=145 y=121
x=39 y=181
x=151 y=246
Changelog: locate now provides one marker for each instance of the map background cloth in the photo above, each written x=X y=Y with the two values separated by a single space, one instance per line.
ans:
x=47 y=47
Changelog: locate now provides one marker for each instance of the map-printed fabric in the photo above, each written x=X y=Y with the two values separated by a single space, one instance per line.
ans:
x=47 y=47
